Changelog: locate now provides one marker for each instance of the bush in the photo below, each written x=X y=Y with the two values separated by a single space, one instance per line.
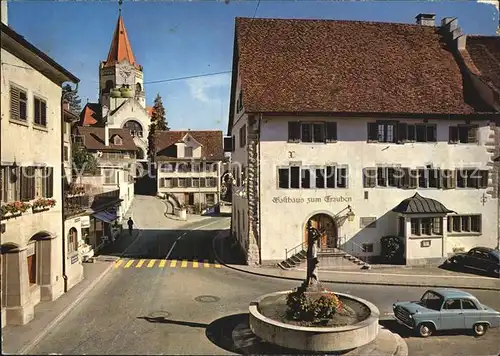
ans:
x=392 y=249
x=304 y=308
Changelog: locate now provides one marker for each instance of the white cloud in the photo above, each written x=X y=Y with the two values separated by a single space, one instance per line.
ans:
x=201 y=86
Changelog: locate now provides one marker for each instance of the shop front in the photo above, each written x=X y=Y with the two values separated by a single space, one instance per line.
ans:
x=104 y=227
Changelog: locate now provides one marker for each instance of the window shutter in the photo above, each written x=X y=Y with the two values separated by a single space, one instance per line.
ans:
x=50 y=182
x=413 y=179
x=24 y=184
x=472 y=134
x=331 y=131
x=453 y=132
x=14 y=103
x=483 y=182
x=411 y=133
x=402 y=132
x=32 y=180
x=369 y=178
x=37 y=115
x=372 y=132
x=293 y=131
x=404 y=182
x=175 y=182
x=452 y=179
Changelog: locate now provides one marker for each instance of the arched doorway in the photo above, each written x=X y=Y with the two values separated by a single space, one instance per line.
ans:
x=329 y=238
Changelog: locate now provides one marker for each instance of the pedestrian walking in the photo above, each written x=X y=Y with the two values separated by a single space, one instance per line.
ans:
x=130 y=223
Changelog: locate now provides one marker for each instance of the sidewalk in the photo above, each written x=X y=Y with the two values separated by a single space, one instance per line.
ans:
x=20 y=339
x=426 y=277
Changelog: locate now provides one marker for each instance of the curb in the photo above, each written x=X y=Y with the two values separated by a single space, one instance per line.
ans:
x=65 y=312
x=330 y=280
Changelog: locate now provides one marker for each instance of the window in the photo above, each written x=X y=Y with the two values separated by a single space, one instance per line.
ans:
x=283 y=177
x=368 y=222
x=464 y=224
x=312 y=177
x=44 y=182
x=426 y=226
x=196 y=182
x=188 y=151
x=295 y=177
x=40 y=111
x=109 y=176
x=472 y=178
x=117 y=140
x=27 y=183
x=367 y=247
x=425 y=243
x=210 y=199
x=306 y=178
x=382 y=131
x=211 y=182
x=468 y=304
x=312 y=131
x=369 y=177
x=182 y=182
x=18 y=104
x=452 y=304
x=66 y=153
x=72 y=240
x=167 y=182
x=463 y=134
x=243 y=136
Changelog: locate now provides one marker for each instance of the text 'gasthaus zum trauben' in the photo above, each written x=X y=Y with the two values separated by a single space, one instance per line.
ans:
x=300 y=200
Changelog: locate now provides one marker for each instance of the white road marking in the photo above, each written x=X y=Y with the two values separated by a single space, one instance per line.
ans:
x=185 y=233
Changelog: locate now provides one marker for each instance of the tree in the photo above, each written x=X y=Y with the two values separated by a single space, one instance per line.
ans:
x=83 y=160
x=151 y=142
x=158 y=115
x=72 y=98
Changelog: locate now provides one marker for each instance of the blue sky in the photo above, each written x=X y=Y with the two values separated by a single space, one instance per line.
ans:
x=180 y=39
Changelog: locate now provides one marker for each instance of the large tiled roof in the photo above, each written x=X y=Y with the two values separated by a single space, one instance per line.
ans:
x=91 y=114
x=346 y=66
x=93 y=139
x=418 y=204
x=120 y=49
x=211 y=143
x=485 y=53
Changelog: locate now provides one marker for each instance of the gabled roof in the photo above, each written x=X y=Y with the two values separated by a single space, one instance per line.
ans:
x=120 y=49
x=91 y=114
x=326 y=66
x=93 y=139
x=16 y=44
x=210 y=140
x=485 y=53
x=418 y=204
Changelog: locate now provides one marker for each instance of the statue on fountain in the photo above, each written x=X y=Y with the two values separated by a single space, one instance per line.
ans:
x=312 y=284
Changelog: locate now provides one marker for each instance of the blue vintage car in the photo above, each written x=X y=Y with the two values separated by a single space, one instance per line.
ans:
x=446 y=309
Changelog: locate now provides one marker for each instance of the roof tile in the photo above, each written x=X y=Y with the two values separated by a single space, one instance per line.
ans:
x=211 y=142
x=93 y=138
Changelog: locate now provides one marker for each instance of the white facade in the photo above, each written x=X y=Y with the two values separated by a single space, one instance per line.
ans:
x=293 y=207
x=190 y=177
x=32 y=261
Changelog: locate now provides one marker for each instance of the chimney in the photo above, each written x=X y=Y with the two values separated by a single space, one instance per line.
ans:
x=426 y=19
x=453 y=32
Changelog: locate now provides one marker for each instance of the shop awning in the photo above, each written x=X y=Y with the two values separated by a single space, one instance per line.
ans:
x=418 y=204
x=105 y=216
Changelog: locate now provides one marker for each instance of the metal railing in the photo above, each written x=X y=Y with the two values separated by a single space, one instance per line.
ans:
x=352 y=248
x=289 y=252
x=74 y=205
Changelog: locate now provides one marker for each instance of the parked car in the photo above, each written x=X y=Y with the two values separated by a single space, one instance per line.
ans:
x=446 y=309
x=479 y=258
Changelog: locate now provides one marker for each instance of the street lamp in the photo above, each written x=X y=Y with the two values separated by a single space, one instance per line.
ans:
x=350 y=214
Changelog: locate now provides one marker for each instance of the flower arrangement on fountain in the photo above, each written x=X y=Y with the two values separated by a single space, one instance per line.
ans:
x=42 y=203
x=14 y=208
x=316 y=307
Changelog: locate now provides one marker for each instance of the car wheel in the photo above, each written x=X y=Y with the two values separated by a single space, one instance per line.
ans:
x=480 y=329
x=425 y=330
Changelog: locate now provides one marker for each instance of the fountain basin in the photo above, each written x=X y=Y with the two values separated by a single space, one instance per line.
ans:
x=313 y=338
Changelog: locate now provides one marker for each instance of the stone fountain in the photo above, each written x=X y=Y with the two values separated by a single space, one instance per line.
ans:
x=311 y=318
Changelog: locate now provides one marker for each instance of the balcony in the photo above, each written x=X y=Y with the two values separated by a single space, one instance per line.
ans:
x=76 y=204
x=79 y=198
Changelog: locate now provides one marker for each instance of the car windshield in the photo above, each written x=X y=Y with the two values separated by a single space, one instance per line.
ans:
x=431 y=300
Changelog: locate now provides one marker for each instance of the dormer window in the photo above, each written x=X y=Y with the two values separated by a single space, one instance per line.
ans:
x=117 y=140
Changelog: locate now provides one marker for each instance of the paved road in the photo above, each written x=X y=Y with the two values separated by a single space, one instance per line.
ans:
x=199 y=309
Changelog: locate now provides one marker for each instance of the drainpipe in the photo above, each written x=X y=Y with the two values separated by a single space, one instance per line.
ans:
x=63 y=202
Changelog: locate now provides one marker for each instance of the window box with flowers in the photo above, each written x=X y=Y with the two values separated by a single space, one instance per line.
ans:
x=13 y=209
x=75 y=191
x=42 y=204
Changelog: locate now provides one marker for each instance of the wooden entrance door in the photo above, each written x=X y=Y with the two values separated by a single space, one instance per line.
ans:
x=324 y=222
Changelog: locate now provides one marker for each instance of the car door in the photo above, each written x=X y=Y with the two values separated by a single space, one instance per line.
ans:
x=471 y=313
x=452 y=316
x=468 y=260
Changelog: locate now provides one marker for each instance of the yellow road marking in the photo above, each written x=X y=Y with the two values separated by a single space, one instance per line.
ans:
x=118 y=263
x=151 y=263
x=129 y=263
x=162 y=263
x=217 y=265
x=141 y=262
x=184 y=263
x=206 y=264
x=173 y=263
x=195 y=264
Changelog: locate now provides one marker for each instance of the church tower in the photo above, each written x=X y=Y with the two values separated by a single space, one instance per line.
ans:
x=120 y=76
